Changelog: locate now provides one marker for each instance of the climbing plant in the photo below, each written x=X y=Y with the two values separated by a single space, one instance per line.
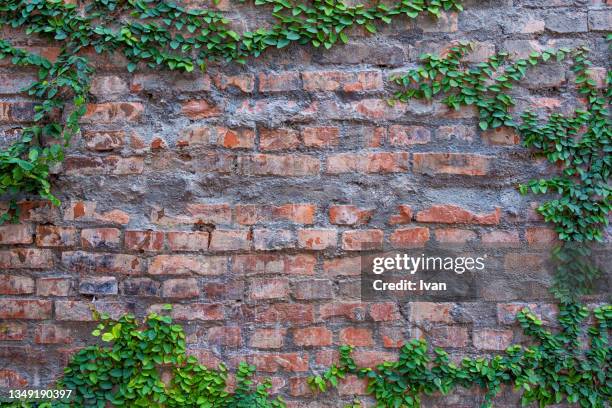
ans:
x=157 y=34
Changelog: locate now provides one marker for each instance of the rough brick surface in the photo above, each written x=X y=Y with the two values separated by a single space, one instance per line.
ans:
x=245 y=197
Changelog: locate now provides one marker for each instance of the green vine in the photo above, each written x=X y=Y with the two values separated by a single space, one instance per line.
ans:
x=158 y=34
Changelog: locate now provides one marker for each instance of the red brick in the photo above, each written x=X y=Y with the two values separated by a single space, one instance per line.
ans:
x=505 y=238
x=12 y=331
x=230 y=240
x=409 y=237
x=452 y=214
x=250 y=214
x=492 y=339
x=53 y=286
x=16 y=285
x=382 y=162
x=37 y=211
x=458 y=132
x=279 y=82
x=269 y=289
x=279 y=165
x=236 y=138
x=180 y=288
x=321 y=136
x=392 y=337
x=52 y=334
x=244 y=82
x=10 y=379
x=11 y=234
x=188 y=241
x=343 y=81
x=26 y=258
x=200 y=109
x=454 y=235
x=285 y=313
x=229 y=336
x=115 y=165
x=113 y=112
x=150 y=241
x=100 y=238
x=361 y=240
x=270 y=240
x=451 y=163
x=217 y=136
x=108 y=85
x=539 y=236
x=313 y=289
x=431 y=312
x=301 y=264
x=408 y=135
x=378 y=109
x=141 y=287
x=312 y=337
x=404 y=215
x=342 y=266
x=268 y=338
x=278 y=139
x=187 y=265
x=194 y=311
x=317 y=239
x=350 y=311
x=384 y=312
x=448 y=336
x=279 y=361
x=355 y=336
x=52 y=236
x=210 y=213
x=299 y=387
x=501 y=136
x=28 y=309
x=353 y=385
x=373 y=136
x=81 y=311
x=349 y=215
x=104 y=141
x=80 y=261
x=371 y=358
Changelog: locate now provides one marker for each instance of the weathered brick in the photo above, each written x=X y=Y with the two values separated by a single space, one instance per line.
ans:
x=454 y=235
x=113 y=112
x=12 y=331
x=342 y=266
x=99 y=286
x=52 y=236
x=54 y=286
x=188 y=241
x=269 y=289
x=232 y=290
x=229 y=336
x=272 y=363
x=540 y=236
x=355 y=336
x=312 y=337
x=361 y=240
x=342 y=81
x=269 y=240
x=244 y=82
x=279 y=81
x=301 y=264
x=141 y=287
x=351 y=311
x=200 y=109
x=101 y=238
x=180 y=288
x=492 y=339
x=148 y=241
x=187 y=265
x=268 y=338
x=349 y=215
x=317 y=239
x=250 y=214
x=285 y=313
x=452 y=214
x=384 y=312
x=82 y=311
x=80 y=261
x=108 y=86
x=400 y=135
x=313 y=289
x=278 y=139
x=194 y=311
x=16 y=285
x=11 y=379
x=409 y=237
x=448 y=336
x=404 y=215
x=431 y=312
x=26 y=258
x=353 y=385
x=384 y=162
x=501 y=136
x=52 y=334
x=452 y=163
x=279 y=165
x=11 y=234
x=28 y=309
x=321 y=136
x=230 y=240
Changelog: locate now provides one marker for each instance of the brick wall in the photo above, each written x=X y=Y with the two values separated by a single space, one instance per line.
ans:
x=243 y=196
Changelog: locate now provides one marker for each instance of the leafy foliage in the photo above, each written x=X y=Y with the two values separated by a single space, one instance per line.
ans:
x=580 y=143
x=128 y=372
x=554 y=370
x=159 y=34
